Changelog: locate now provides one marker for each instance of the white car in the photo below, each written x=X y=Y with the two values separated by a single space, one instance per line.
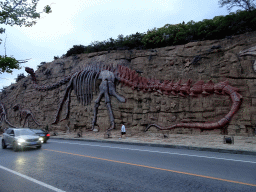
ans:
x=18 y=138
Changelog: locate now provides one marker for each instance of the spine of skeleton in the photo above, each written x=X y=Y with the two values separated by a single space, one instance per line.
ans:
x=48 y=87
x=128 y=78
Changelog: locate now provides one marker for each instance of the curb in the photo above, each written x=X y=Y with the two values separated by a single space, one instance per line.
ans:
x=167 y=146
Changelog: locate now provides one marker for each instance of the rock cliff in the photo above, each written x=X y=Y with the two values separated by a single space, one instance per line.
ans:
x=216 y=60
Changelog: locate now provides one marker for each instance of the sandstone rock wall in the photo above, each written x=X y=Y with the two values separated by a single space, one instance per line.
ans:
x=215 y=60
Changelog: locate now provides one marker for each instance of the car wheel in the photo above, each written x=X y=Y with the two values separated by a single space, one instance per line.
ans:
x=39 y=147
x=15 y=147
x=3 y=144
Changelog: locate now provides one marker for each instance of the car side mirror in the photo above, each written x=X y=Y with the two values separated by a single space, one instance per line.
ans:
x=12 y=135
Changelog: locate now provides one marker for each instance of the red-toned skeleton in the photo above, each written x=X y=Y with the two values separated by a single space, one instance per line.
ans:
x=3 y=116
x=82 y=82
x=132 y=79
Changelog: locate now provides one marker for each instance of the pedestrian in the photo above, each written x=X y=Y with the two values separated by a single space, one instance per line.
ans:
x=123 y=131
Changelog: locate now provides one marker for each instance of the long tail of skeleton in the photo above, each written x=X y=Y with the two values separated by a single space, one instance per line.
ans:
x=130 y=78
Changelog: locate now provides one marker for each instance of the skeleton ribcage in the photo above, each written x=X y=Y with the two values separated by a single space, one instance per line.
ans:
x=84 y=85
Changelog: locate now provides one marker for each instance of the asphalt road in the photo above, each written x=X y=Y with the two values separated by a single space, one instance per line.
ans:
x=68 y=165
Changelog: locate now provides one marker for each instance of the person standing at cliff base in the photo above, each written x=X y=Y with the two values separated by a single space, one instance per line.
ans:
x=123 y=131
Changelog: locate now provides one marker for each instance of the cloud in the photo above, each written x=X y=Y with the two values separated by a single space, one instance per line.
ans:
x=78 y=22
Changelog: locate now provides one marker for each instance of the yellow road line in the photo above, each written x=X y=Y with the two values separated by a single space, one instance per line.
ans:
x=138 y=165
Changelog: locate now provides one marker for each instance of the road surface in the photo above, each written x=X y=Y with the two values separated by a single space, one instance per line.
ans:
x=70 y=165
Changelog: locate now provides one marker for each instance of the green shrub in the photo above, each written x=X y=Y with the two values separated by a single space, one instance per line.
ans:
x=76 y=49
x=217 y=28
x=20 y=76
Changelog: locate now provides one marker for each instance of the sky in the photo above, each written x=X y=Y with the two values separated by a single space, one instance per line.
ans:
x=81 y=22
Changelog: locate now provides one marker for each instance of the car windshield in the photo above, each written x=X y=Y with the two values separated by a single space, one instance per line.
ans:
x=24 y=132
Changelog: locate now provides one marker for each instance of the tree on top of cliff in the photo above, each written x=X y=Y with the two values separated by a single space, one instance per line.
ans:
x=21 y=13
x=247 y=5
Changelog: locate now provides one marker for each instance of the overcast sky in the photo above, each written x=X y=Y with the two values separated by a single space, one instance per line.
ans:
x=78 y=22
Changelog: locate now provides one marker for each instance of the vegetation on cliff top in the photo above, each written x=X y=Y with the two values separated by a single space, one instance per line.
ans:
x=217 y=28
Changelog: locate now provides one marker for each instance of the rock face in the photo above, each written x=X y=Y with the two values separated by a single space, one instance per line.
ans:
x=216 y=60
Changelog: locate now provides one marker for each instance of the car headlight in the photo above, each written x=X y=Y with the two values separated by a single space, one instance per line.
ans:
x=41 y=139
x=21 y=140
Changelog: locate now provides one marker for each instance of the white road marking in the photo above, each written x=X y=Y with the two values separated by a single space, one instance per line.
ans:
x=141 y=150
x=33 y=180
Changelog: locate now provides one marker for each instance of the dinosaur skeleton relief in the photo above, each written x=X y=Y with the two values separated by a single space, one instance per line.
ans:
x=3 y=116
x=82 y=82
x=132 y=79
x=25 y=114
